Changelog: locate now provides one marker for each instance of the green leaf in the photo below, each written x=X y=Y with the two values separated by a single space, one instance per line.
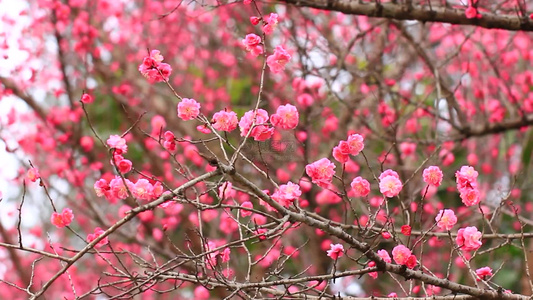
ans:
x=527 y=150
x=238 y=88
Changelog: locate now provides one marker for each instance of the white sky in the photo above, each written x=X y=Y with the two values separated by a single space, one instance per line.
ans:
x=9 y=165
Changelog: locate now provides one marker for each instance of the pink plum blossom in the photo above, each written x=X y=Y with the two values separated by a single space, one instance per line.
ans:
x=468 y=239
x=226 y=191
x=153 y=69
x=483 y=273
x=62 y=219
x=118 y=189
x=356 y=143
x=406 y=230
x=466 y=177
x=384 y=255
x=118 y=143
x=470 y=197
x=277 y=61
x=388 y=172
x=87 y=99
x=336 y=251
x=432 y=175
x=286 y=117
x=225 y=120
x=252 y=43
x=124 y=165
x=339 y=155
x=272 y=22
x=360 y=186
x=142 y=190
x=260 y=132
x=254 y=20
x=101 y=187
x=287 y=193
x=321 y=172
x=390 y=186
x=188 y=109
x=472 y=13
x=374 y=275
x=402 y=256
x=33 y=174
x=97 y=233
x=170 y=141
x=246 y=204
x=446 y=219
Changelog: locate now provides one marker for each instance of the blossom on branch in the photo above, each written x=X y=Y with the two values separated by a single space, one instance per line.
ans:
x=252 y=43
x=446 y=219
x=62 y=219
x=468 y=239
x=277 y=61
x=286 y=117
x=97 y=233
x=390 y=184
x=154 y=69
x=225 y=120
x=321 y=172
x=336 y=251
x=188 y=109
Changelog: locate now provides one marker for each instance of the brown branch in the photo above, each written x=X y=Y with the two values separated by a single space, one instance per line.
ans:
x=496 y=128
x=365 y=248
x=419 y=13
x=131 y=214
x=15 y=258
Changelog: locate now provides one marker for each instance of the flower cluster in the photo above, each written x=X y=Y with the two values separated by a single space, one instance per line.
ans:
x=212 y=256
x=261 y=130
x=119 y=146
x=252 y=43
x=118 y=188
x=153 y=68
x=170 y=141
x=271 y=23
x=385 y=256
x=118 y=143
x=466 y=179
x=353 y=146
x=402 y=256
x=62 y=219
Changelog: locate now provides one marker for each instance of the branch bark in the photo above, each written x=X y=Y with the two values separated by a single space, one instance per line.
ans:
x=420 y=13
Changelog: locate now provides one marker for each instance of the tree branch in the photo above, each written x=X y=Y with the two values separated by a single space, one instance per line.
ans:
x=419 y=13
